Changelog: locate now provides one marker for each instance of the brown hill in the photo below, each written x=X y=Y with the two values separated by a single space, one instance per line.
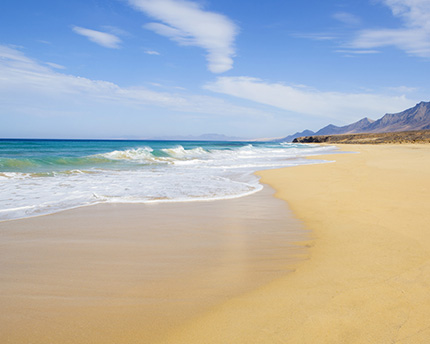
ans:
x=417 y=136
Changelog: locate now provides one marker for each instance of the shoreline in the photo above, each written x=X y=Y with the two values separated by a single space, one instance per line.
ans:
x=368 y=275
x=56 y=177
x=139 y=203
x=258 y=188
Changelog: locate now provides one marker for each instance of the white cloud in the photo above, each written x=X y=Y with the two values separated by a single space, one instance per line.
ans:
x=186 y=23
x=307 y=101
x=152 y=52
x=22 y=80
x=104 y=39
x=413 y=36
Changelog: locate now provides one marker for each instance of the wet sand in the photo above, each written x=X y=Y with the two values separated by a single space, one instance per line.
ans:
x=133 y=273
x=368 y=276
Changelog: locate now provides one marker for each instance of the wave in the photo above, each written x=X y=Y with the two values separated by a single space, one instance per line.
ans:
x=140 y=155
x=145 y=155
x=150 y=156
x=49 y=163
x=181 y=153
x=160 y=172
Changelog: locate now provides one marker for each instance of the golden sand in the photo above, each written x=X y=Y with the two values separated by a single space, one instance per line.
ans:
x=368 y=276
x=132 y=273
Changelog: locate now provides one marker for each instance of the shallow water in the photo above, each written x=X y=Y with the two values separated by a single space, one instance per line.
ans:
x=45 y=176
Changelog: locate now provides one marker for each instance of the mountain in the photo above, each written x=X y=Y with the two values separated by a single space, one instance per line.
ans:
x=356 y=127
x=415 y=118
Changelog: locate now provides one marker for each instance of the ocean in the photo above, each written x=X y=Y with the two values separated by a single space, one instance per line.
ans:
x=39 y=177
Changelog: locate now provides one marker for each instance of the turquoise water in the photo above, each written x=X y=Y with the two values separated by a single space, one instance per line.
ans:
x=45 y=176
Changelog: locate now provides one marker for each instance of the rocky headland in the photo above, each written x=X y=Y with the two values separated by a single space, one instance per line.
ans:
x=416 y=136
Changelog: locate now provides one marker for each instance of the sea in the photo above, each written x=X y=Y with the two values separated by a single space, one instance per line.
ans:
x=39 y=177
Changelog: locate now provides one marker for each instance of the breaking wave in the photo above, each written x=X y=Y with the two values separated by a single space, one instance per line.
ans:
x=59 y=176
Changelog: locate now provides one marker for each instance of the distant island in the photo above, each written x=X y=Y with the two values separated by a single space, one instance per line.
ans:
x=204 y=137
x=413 y=123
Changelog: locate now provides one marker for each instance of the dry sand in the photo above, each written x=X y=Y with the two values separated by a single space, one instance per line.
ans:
x=131 y=273
x=368 y=276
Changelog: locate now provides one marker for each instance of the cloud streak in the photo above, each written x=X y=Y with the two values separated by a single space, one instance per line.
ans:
x=188 y=24
x=414 y=35
x=347 y=18
x=152 y=52
x=104 y=39
x=22 y=80
x=307 y=101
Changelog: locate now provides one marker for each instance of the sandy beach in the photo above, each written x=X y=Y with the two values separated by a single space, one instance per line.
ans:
x=368 y=276
x=357 y=272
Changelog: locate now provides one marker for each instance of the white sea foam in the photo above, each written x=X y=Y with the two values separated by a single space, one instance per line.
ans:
x=147 y=175
x=139 y=154
x=180 y=152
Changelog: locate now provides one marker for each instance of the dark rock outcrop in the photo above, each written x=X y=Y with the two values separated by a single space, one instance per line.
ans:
x=290 y=138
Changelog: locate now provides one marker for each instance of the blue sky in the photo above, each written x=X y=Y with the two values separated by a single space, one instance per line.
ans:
x=145 y=68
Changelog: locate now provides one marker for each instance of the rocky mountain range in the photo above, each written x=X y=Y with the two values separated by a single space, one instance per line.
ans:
x=415 y=118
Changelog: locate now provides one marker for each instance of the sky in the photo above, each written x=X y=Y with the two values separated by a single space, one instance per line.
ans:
x=138 y=69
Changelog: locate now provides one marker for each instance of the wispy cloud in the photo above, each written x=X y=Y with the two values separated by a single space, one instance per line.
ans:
x=55 y=65
x=115 y=31
x=360 y=52
x=413 y=36
x=308 y=101
x=26 y=80
x=152 y=52
x=347 y=18
x=319 y=36
x=403 y=89
x=104 y=39
x=187 y=23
